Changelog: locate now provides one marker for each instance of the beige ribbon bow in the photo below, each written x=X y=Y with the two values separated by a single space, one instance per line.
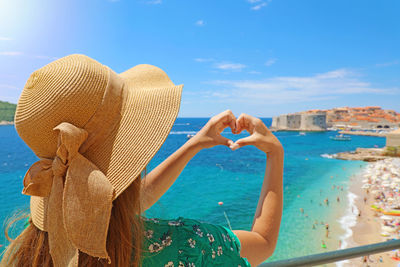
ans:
x=80 y=199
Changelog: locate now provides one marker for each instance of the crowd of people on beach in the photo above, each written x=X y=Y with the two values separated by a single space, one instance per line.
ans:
x=382 y=186
x=381 y=182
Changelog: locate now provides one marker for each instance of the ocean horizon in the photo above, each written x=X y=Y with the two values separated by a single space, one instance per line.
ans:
x=235 y=178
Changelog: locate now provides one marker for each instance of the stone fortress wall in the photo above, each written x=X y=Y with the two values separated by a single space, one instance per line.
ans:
x=300 y=122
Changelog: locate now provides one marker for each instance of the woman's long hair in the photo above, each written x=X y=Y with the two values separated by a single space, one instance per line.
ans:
x=124 y=239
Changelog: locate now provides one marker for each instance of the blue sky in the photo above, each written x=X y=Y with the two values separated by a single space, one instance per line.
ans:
x=262 y=57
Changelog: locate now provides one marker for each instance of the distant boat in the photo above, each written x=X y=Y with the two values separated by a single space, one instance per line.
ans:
x=341 y=137
x=189 y=136
x=302 y=133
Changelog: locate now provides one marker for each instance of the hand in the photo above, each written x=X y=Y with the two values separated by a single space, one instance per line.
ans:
x=260 y=135
x=210 y=134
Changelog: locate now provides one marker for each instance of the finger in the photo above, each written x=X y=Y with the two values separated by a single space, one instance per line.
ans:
x=229 y=120
x=226 y=120
x=245 y=123
x=224 y=141
x=232 y=123
x=239 y=127
x=247 y=141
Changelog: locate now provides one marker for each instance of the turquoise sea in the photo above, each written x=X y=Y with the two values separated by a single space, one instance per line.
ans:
x=235 y=178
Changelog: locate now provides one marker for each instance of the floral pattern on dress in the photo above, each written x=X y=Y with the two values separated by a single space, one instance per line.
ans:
x=154 y=220
x=210 y=238
x=219 y=252
x=192 y=242
x=176 y=223
x=148 y=234
x=213 y=253
x=165 y=239
x=189 y=243
x=197 y=230
x=155 y=247
x=186 y=264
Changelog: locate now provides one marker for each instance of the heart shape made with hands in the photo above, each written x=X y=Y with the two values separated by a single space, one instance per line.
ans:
x=244 y=122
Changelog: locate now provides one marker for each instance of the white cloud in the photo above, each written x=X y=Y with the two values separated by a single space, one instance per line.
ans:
x=7 y=86
x=18 y=53
x=203 y=59
x=154 y=2
x=200 y=23
x=258 y=4
x=270 y=62
x=3 y=38
x=387 y=64
x=45 y=57
x=230 y=66
x=254 y=72
x=10 y=53
x=292 y=89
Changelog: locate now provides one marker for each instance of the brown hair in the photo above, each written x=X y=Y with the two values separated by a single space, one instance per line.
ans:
x=124 y=239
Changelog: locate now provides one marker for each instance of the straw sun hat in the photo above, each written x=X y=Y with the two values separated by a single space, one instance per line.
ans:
x=94 y=132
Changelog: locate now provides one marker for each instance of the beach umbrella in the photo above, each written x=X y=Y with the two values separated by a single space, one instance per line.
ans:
x=385 y=217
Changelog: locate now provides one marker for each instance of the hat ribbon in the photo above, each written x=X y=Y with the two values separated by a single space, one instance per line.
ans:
x=80 y=199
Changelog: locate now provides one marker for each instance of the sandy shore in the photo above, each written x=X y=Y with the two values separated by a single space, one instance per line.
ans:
x=368 y=226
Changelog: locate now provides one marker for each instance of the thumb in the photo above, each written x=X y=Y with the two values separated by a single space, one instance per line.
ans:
x=247 y=141
x=224 y=141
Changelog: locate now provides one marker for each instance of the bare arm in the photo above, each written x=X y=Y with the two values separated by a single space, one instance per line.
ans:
x=259 y=243
x=159 y=180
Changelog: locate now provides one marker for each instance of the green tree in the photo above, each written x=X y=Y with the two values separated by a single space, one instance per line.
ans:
x=7 y=111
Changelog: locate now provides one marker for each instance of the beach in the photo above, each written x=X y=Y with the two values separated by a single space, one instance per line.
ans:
x=377 y=184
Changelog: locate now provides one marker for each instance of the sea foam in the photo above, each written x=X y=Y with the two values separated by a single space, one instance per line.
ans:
x=328 y=156
x=348 y=221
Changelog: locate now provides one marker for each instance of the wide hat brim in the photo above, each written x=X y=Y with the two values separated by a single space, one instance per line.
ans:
x=150 y=107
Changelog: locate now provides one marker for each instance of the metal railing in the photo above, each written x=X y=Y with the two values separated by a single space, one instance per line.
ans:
x=337 y=255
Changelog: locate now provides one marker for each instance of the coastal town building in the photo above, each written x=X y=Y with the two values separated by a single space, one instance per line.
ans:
x=371 y=117
x=357 y=118
x=301 y=121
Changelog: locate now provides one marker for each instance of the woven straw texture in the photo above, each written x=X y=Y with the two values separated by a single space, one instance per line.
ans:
x=127 y=118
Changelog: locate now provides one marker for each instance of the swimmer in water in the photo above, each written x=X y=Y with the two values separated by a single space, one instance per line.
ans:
x=327 y=230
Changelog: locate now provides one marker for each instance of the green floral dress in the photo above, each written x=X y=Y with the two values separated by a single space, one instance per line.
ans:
x=189 y=243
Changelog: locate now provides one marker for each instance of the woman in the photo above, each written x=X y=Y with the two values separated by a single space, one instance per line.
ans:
x=94 y=132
